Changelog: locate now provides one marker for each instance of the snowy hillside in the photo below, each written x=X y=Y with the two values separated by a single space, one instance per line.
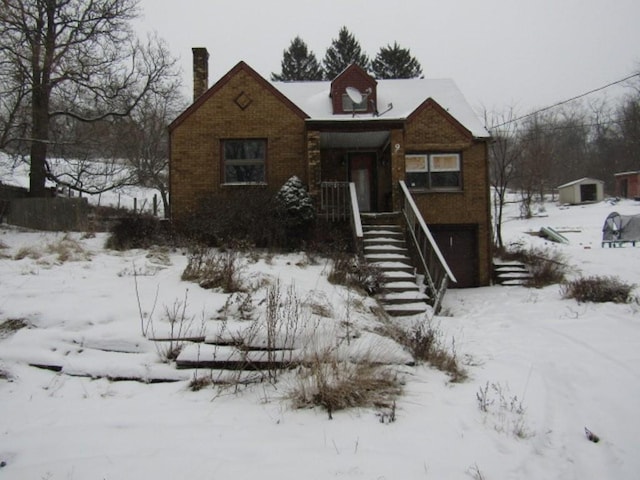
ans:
x=16 y=173
x=541 y=369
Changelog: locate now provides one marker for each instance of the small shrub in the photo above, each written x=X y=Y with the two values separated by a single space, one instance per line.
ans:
x=598 y=289
x=214 y=269
x=68 y=249
x=180 y=327
x=425 y=343
x=335 y=385
x=235 y=218
x=199 y=382
x=27 y=252
x=349 y=271
x=140 y=231
x=11 y=326
x=328 y=237
x=295 y=210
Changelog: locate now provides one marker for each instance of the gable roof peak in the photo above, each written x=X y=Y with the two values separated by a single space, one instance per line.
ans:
x=354 y=69
x=241 y=66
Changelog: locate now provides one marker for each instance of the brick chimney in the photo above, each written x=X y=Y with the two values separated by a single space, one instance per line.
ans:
x=200 y=71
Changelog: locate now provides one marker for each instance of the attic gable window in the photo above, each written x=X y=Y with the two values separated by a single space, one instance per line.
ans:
x=244 y=161
x=433 y=171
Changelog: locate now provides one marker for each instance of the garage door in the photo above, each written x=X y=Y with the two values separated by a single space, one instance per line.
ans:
x=459 y=246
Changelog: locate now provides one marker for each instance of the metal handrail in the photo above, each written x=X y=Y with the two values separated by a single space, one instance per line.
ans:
x=435 y=268
x=356 y=222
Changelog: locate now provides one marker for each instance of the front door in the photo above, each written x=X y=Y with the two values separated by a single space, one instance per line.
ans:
x=361 y=174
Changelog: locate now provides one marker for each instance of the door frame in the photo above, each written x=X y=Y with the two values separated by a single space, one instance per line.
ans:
x=474 y=268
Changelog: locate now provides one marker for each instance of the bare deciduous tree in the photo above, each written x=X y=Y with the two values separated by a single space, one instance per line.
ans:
x=146 y=148
x=504 y=153
x=71 y=59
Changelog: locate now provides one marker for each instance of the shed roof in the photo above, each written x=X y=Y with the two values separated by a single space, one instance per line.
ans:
x=581 y=180
x=633 y=172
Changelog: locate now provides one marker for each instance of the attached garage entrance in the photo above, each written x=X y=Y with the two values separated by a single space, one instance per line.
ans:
x=459 y=245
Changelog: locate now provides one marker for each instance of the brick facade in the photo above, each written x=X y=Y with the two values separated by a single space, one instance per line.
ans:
x=355 y=77
x=241 y=107
x=432 y=130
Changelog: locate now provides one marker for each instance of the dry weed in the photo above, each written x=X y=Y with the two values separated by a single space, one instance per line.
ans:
x=27 y=252
x=425 y=342
x=215 y=269
x=336 y=385
x=598 y=289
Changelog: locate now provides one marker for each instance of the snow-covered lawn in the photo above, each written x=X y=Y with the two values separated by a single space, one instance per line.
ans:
x=541 y=369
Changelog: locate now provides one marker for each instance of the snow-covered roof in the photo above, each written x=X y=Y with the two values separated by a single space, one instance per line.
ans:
x=400 y=97
x=581 y=180
x=632 y=172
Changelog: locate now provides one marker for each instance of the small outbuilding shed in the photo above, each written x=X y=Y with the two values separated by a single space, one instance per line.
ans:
x=628 y=184
x=584 y=190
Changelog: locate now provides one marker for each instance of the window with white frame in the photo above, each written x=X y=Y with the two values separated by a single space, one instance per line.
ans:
x=244 y=161
x=433 y=171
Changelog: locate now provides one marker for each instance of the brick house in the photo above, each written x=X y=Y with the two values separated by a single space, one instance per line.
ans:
x=389 y=138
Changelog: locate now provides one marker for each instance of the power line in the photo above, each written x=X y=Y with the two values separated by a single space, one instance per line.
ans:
x=567 y=101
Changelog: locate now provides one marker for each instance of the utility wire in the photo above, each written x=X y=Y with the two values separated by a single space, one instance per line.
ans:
x=566 y=101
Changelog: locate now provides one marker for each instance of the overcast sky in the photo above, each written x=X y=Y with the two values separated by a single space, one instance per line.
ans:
x=501 y=53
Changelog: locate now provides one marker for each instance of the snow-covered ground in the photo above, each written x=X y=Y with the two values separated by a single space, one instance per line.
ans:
x=543 y=368
x=15 y=172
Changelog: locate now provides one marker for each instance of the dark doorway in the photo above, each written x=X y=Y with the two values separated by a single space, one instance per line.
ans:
x=362 y=175
x=459 y=246
x=588 y=192
x=624 y=188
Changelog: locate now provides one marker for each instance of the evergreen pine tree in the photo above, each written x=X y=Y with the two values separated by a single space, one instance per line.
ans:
x=298 y=64
x=395 y=62
x=343 y=51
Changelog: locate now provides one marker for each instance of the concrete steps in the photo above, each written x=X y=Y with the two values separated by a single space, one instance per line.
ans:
x=511 y=273
x=385 y=248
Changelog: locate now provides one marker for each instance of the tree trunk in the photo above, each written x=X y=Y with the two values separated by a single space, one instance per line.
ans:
x=165 y=203
x=40 y=134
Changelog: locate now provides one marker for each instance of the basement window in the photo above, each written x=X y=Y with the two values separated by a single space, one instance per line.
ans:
x=433 y=171
x=244 y=161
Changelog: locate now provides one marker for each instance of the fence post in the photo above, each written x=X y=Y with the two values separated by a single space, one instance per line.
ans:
x=155 y=204
x=135 y=205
